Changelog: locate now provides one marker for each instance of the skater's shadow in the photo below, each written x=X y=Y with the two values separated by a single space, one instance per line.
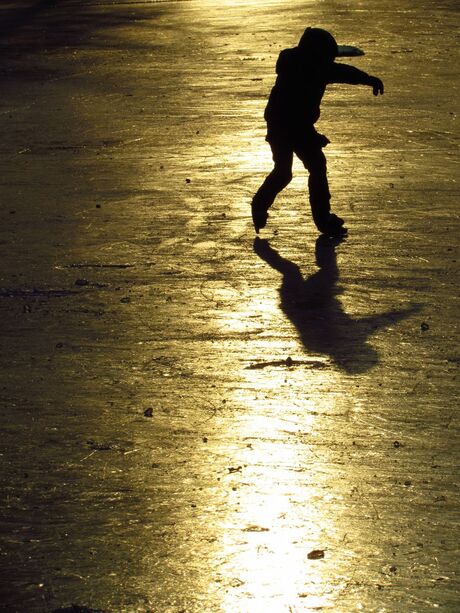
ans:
x=312 y=306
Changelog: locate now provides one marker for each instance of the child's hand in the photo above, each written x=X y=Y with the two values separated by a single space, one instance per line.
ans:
x=377 y=86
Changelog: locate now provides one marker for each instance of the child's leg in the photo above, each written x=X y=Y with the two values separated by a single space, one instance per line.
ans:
x=314 y=161
x=277 y=180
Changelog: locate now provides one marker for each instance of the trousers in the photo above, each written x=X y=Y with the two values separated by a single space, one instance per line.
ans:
x=309 y=150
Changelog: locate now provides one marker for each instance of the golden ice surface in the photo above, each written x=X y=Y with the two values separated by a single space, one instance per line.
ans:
x=192 y=420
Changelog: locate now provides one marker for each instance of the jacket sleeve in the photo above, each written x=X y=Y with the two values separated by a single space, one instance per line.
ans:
x=283 y=61
x=344 y=73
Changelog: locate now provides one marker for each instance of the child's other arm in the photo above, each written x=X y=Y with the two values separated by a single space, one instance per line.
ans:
x=344 y=73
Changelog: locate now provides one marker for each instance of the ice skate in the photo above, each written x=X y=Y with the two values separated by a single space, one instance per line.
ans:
x=259 y=217
x=333 y=226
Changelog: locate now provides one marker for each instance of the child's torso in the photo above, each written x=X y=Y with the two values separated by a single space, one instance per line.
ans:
x=297 y=93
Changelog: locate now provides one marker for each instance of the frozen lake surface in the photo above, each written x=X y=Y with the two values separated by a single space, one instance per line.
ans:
x=193 y=421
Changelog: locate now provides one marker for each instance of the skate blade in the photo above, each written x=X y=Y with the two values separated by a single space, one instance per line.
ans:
x=336 y=233
x=259 y=220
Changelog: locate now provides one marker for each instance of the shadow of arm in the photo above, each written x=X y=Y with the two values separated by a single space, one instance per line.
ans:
x=385 y=320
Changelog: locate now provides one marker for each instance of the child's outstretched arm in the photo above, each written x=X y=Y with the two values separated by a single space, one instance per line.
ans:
x=344 y=73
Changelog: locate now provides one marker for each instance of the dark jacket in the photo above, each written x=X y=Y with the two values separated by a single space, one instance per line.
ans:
x=295 y=99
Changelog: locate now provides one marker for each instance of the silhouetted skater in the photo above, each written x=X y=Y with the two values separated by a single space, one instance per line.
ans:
x=292 y=110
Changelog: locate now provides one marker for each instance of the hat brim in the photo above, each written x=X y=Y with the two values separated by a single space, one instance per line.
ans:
x=348 y=51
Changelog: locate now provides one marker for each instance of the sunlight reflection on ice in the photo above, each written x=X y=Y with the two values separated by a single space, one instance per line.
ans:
x=278 y=512
x=276 y=527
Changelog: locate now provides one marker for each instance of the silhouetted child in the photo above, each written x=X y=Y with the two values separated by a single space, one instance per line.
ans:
x=292 y=110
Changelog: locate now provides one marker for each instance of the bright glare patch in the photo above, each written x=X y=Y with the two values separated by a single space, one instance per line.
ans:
x=234 y=3
x=252 y=154
x=277 y=520
x=277 y=506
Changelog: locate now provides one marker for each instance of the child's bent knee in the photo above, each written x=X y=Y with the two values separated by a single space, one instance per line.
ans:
x=283 y=175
